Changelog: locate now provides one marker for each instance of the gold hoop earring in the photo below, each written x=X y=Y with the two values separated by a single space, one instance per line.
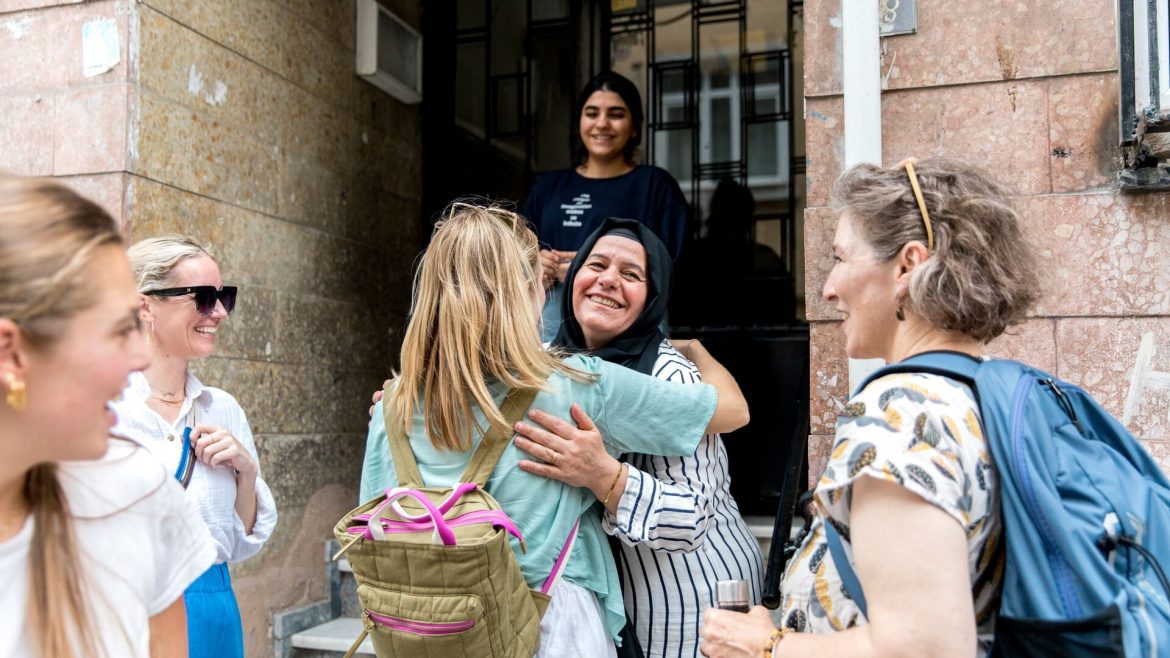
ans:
x=17 y=396
x=900 y=313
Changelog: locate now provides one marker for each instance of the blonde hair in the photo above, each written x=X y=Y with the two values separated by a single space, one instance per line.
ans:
x=980 y=278
x=48 y=235
x=153 y=259
x=471 y=319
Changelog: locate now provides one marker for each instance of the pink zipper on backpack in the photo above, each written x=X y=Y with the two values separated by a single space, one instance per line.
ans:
x=420 y=627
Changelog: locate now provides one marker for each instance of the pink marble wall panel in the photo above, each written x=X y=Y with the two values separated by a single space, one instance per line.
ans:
x=19 y=5
x=1000 y=127
x=1103 y=254
x=1160 y=451
x=824 y=134
x=820 y=446
x=1033 y=342
x=828 y=375
x=90 y=128
x=42 y=48
x=1082 y=119
x=1112 y=358
x=26 y=135
x=107 y=190
x=819 y=226
x=960 y=42
x=822 y=47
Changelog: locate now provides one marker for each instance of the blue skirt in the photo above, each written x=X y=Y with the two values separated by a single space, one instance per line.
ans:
x=213 y=616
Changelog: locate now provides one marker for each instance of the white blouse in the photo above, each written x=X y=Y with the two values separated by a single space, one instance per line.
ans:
x=140 y=543
x=212 y=489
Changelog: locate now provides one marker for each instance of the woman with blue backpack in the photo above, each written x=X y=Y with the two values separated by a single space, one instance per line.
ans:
x=928 y=258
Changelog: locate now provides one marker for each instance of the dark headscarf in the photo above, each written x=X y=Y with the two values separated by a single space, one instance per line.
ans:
x=637 y=346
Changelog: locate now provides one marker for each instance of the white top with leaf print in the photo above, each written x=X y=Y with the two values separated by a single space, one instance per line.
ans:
x=922 y=432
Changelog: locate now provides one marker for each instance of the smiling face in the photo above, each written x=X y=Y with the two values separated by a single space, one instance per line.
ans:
x=178 y=329
x=610 y=289
x=865 y=291
x=72 y=380
x=605 y=126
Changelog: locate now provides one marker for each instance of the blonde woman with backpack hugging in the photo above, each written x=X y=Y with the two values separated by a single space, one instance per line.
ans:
x=472 y=337
x=94 y=554
x=928 y=257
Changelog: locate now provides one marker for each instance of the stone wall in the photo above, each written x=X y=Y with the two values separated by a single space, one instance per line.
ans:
x=243 y=124
x=1029 y=91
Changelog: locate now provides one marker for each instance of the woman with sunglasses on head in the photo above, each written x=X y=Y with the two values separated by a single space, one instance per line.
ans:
x=928 y=257
x=97 y=542
x=606 y=180
x=199 y=432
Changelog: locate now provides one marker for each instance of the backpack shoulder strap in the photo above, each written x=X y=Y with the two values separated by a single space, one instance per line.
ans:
x=493 y=443
x=404 y=462
x=946 y=364
x=844 y=569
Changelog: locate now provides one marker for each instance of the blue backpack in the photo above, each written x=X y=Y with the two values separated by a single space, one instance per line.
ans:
x=1086 y=515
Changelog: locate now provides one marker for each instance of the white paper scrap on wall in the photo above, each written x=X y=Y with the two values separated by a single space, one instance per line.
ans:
x=100 y=48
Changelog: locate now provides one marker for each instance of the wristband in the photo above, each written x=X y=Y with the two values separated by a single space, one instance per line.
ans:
x=775 y=638
x=621 y=467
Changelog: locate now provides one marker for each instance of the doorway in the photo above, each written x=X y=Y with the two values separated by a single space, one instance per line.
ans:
x=720 y=80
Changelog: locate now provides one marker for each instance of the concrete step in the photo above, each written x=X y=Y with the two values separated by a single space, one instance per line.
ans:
x=333 y=636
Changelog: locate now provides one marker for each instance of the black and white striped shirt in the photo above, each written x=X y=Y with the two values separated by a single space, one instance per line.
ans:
x=680 y=532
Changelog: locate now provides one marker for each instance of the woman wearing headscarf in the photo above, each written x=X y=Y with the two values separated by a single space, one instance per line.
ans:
x=678 y=527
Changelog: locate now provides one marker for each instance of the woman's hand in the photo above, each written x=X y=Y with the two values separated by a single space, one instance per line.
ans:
x=550 y=261
x=215 y=446
x=377 y=397
x=573 y=455
x=726 y=634
x=566 y=259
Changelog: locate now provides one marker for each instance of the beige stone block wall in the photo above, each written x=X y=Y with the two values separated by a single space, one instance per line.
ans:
x=243 y=124
x=252 y=132
x=1028 y=91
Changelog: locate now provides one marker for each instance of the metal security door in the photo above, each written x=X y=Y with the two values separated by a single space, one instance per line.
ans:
x=719 y=86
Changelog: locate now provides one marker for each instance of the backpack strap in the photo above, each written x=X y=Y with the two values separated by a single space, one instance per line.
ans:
x=955 y=365
x=483 y=461
x=404 y=462
x=844 y=569
x=558 y=567
x=493 y=443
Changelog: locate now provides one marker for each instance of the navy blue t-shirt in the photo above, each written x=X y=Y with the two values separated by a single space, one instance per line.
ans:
x=565 y=206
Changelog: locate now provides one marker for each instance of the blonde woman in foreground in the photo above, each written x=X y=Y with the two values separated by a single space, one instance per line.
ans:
x=473 y=336
x=94 y=555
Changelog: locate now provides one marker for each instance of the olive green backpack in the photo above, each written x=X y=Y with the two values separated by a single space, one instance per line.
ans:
x=436 y=575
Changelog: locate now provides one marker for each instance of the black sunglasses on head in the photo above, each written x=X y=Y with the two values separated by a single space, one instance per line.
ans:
x=205 y=296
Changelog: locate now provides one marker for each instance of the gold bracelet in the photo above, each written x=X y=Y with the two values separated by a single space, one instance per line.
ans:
x=777 y=635
x=621 y=467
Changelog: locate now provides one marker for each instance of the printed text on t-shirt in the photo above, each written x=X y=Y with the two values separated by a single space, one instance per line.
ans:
x=573 y=211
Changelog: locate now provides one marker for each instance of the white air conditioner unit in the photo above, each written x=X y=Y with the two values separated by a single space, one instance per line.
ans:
x=389 y=52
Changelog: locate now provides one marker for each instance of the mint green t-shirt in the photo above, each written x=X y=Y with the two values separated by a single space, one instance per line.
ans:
x=633 y=412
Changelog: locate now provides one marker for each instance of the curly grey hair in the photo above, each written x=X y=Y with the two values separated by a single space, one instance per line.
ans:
x=980 y=277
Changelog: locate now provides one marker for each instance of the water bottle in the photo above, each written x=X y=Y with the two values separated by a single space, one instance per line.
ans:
x=734 y=595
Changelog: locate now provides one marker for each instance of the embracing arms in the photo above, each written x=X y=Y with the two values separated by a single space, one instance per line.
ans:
x=731 y=412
